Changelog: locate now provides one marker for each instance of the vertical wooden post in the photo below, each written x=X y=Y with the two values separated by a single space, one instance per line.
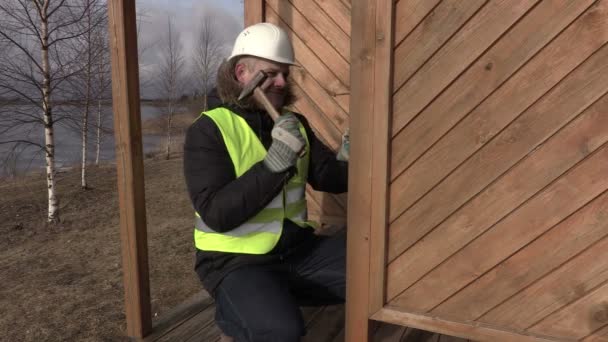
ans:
x=382 y=118
x=254 y=12
x=360 y=170
x=129 y=164
x=371 y=95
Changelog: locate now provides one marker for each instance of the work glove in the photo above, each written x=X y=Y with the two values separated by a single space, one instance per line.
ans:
x=287 y=142
x=344 y=151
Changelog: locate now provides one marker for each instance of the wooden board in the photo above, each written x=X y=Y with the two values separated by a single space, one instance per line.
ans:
x=482 y=168
x=600 y=335
x=409 y=14
x=310 y=36
x=571 y=237
x=536 y=171
x=338 y=12
x=434 y=30
x=580 y=185
x=488 y=73
x=580 y=318
x=565 y=285
x=327 y=27
x=455 y=56
x=472 y=330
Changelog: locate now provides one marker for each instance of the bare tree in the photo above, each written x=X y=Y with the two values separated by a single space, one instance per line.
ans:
x=92 y=48
x=32 y=70
x=209 y=52
x=104 y=87
x=171 y=78
x=145 y=43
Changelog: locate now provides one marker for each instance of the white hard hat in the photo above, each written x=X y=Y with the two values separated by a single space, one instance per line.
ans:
x=264 y=40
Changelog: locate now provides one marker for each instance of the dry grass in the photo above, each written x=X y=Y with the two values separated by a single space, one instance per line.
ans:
x=64 y=282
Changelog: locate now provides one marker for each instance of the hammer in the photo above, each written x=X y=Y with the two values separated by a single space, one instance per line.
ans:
x=258 y=94
x=254 y=87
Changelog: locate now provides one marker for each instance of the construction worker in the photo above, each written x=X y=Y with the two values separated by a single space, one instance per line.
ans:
x=257 y=254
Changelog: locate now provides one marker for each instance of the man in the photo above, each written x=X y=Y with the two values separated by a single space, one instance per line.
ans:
x=246 y=176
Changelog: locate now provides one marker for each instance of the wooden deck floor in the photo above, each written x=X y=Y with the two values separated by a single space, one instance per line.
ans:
x=193 y=321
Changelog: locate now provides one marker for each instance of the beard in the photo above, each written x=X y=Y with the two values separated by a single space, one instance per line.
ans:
x=229 y=89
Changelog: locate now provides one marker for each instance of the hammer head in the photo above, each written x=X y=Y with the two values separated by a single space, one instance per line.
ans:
x=256 y=81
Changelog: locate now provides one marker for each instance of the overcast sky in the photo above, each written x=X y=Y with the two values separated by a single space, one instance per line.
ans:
x=187 y=14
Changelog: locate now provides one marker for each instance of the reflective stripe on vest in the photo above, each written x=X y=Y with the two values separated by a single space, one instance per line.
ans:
x=260 y=233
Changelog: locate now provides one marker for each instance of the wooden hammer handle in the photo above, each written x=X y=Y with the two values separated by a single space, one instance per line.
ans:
x=274 y=114
x=261 y=98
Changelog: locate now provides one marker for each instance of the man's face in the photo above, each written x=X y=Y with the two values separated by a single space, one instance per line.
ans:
x=275 y=86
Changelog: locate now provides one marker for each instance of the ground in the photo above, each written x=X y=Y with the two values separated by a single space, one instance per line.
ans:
x=64 y=282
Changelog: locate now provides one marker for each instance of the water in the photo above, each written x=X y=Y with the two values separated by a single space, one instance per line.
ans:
x=68 y=147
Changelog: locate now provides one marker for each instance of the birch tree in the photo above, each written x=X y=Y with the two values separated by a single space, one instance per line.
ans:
x=35 y=66
x=104 y=87
x=171 y=78
x=208 y=54
x=91 y=48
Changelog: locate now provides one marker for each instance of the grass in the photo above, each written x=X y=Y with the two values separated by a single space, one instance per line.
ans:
x=64 y=282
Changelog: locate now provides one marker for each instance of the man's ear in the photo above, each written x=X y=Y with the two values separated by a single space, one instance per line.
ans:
x=239 y=71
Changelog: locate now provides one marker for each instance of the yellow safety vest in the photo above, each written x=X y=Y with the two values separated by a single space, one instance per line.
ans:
x=260 y=233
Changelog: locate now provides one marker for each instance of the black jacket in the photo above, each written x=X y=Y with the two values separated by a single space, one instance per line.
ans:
x=225 y=202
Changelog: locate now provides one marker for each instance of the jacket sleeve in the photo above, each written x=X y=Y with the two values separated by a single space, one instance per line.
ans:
x=222 y=200
x=325 y=172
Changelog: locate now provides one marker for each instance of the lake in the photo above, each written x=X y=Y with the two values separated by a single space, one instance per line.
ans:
x=68 y=143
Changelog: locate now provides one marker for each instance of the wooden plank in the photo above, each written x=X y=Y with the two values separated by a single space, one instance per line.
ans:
x=338 y=11
x=129 y=166
x=180 y=314
x=598 y=336
x=209 y=333
x=327 y=325
x=455 y=56
x=409 y=13
x=331 y=109
x=568 y=99
x=192 y=328
x=314 y=209
x=300 y=26
x=487 y=74
x=308 y=60
x=550 y=251
x=568 y=147
x=472 y=330
x=445 y=19
x=360 y=168
x=580 y=185
x=580 y=318
x=254 y=12
x=343 y=100
x=383 y=69
x=417 y=335
x=448 y=338
x=328 y=132
x=389 y=333
x=326 y=202
x=326 y=27
x=566 y=284
x=340 y=337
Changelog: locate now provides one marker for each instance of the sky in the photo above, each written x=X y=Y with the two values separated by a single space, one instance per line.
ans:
x=186 y=14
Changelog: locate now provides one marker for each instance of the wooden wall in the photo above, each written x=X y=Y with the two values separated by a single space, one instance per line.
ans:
x=498 y=201
x=479 y=159
x=320 y=33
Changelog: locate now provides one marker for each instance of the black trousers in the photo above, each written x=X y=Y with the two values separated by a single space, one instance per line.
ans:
x=262 y=303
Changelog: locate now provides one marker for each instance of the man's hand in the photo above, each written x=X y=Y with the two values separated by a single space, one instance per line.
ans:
x=344 y=151
x=287 y=142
